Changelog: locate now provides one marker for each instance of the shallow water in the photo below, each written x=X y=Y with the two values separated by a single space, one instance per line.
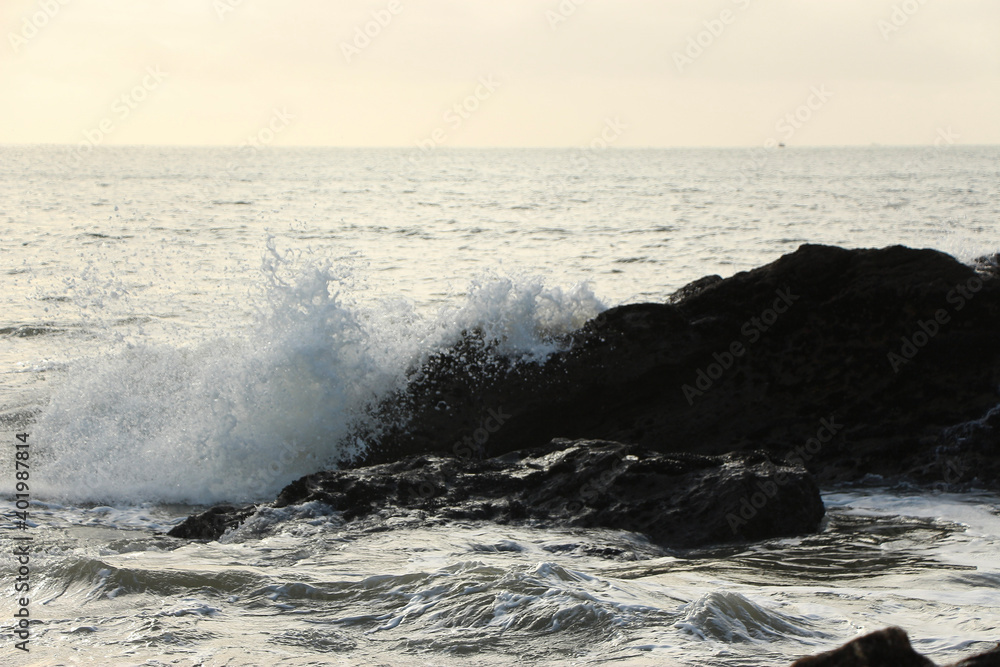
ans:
x=309 y=590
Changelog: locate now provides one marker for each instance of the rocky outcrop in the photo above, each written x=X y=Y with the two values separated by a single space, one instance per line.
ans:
x=695 y=421
x=887 y=648
x=677 y=500
x=213 y=522
x=855 y=363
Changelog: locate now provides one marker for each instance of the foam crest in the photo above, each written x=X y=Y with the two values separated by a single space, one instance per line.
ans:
x=521 y=317
x=236 y=417
x=730 y=617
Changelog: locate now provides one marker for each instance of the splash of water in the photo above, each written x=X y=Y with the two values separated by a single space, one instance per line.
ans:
x=236 y=417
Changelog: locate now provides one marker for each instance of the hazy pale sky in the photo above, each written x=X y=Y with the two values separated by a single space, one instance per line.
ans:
x=500 y=72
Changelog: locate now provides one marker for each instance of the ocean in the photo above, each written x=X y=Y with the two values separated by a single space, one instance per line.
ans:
x=176 y=321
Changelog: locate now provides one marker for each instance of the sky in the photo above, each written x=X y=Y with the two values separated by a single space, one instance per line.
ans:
x=623 y=73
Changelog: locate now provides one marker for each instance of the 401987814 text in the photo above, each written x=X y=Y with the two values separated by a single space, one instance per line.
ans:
x=22 y=543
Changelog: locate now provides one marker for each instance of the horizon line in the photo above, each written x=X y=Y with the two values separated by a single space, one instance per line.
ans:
x=75 y=146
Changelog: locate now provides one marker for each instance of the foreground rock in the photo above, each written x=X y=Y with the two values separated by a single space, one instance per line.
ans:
x=854 y=362
x=887 y=648
x=682 y=500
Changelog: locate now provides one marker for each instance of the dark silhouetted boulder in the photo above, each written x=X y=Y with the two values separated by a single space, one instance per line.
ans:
x=678 y=500
x=988 y=659
x=854 y=362
x=887 y=648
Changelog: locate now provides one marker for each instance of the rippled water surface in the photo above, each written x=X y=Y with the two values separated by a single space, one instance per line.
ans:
x=188 y=326
x=299 y=587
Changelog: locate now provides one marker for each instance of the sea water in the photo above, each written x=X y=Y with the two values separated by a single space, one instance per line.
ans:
x=182 y=327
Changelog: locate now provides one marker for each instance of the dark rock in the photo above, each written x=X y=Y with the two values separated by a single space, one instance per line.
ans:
x=887 y=648
x=693 y=288
x=680 y=500
x=963 y=453
x=988 y=265
x=988 y=659
x=212 y=523
x=981 y=434
x=858 y=345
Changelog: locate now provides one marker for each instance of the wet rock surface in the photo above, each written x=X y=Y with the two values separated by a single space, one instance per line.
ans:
x=887 y=648
x=856 y=363
x=678 y=500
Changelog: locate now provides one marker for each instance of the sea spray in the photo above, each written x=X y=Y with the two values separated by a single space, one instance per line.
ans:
x=229 y=418
x=236 y=416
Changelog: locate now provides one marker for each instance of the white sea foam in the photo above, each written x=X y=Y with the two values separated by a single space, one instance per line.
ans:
x=237 y=416
x=731 y=617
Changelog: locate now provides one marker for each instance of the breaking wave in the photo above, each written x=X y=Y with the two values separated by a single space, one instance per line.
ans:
x=237 y=416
